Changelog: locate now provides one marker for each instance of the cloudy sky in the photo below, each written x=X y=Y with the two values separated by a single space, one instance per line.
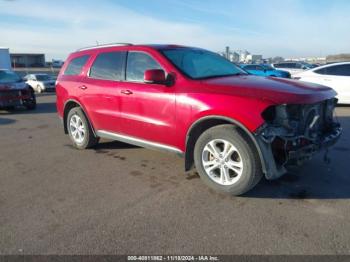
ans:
x=289 y=28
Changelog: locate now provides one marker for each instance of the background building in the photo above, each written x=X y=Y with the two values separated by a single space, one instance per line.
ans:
x=253 y=59
x=5 y=62
x=232 y=56
x=27 y=60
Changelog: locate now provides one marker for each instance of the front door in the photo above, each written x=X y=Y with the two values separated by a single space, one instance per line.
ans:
x=147 y=110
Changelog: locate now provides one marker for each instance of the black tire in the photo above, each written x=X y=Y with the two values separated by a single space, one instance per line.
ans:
x=30 y=104
x=90 y=139
x=251 y=172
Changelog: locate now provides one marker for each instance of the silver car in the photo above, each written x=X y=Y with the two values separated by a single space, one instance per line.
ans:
x=40 y=82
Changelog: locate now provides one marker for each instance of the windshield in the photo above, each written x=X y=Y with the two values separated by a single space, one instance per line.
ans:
x=268 y=67
x=43 y=77
x=201 y=64
x=9 y=77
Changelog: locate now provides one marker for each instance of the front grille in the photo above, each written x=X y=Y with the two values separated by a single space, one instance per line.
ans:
x=10 y=94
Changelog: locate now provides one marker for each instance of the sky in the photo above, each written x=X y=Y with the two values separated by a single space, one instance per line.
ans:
x=288 y=28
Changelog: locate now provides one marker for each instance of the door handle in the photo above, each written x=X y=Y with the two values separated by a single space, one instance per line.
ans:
x=327 y=79
x=83 y=87
x=126 y=92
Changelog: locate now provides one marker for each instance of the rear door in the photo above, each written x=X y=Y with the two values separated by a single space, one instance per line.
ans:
x=68 y=86
x=100 y=90
x=147 y=110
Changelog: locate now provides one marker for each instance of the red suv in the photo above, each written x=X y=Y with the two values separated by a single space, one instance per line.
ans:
x=231 y=126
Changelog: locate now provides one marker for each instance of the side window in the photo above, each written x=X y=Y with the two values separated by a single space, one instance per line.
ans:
x=322 y=71
x=278 y=65
x=249 y=67
x=137 y=64
x=298 y=66
x=259 y=68
x=339 y=70
x=108 y=66
x=76 y=65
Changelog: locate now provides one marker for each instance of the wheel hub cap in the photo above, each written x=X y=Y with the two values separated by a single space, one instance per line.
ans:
x=77 y=129
x=222 y=162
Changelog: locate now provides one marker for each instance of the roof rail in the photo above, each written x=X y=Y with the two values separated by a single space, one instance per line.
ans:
x=104 y=45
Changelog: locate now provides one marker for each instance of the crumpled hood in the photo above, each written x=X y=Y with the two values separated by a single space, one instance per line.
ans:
x=13 y=86
x=276 y=90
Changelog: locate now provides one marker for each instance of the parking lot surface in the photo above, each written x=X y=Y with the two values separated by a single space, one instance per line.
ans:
x=121 y=199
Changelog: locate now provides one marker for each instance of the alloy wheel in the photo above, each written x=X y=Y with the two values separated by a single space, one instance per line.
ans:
x=222 y=162
x=77 y=129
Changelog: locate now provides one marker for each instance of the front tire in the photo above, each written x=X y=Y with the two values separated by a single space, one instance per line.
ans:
x=30 y=103
x=226 y=160
x=79 y=129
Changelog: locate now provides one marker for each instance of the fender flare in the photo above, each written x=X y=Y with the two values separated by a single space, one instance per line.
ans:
x=84 y=111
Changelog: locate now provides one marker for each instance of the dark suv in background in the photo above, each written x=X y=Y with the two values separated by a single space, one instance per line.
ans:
x=15 y=92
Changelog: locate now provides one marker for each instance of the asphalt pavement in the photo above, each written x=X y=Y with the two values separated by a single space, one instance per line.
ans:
x=121 y=199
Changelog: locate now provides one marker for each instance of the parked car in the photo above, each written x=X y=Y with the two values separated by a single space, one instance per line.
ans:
x=264 y=70
x=15 y=92
x=57 y=63
x=293 y=67
x=336 y=76
x=40 y=82
x=232 y=126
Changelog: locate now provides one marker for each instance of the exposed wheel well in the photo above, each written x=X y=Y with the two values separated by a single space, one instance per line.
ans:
x=199 y=127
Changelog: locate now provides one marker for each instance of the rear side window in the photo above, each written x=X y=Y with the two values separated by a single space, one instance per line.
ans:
x=337 y=70
x=279 y=65
x=249 y=67
x=76 y=65
x=322 y=71
x=109 y=66
x=290 y=65
x=138 y=63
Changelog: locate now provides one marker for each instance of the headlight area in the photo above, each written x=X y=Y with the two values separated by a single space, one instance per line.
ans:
x=292 y=134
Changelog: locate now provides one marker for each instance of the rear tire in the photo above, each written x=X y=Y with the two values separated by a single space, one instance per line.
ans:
x=226 y=160
x=79 y=129
x=30 y=104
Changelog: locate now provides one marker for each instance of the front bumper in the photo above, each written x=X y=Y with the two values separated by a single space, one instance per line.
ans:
x=304 y=153
x=13 y=97
x=295 y=155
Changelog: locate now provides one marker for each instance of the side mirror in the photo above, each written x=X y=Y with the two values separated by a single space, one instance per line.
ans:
x=154 y=76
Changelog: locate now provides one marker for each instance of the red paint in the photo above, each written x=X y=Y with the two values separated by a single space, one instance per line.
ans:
x=164 y=114
x=154 y=75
